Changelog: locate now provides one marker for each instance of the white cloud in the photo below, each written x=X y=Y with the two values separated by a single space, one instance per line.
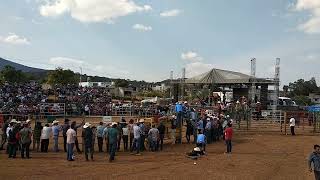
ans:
x=12 y=38
x=88 y=68
x=170 y=13
x=92 y=10
x=191 y=56
x=141 y=27
x=312 y=25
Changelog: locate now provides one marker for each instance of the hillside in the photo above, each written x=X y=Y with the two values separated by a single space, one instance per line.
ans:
x=23 y=68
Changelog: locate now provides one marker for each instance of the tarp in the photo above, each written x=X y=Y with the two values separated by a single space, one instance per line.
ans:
x=315 y=108
x=218 y=76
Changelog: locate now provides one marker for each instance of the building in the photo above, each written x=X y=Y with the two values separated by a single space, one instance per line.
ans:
x=315 y=98
x=124 y=91
x=162 y=87
x=96 y=84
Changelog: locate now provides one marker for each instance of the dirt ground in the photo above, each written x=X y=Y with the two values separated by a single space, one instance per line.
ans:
x=254 y=157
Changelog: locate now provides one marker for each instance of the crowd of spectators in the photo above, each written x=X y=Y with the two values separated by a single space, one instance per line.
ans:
x=32 y=98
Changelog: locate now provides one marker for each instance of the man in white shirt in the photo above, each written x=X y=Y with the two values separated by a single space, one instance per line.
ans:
x=292 y=125
x=45 y=136
x=71 y=138
x=136 y=139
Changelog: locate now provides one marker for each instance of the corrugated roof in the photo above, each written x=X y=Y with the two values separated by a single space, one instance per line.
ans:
x=218 y=76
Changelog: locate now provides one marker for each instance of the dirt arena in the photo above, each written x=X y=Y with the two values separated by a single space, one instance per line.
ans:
x=256 y=157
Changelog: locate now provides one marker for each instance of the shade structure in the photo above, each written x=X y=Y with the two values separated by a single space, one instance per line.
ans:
x=218 y=76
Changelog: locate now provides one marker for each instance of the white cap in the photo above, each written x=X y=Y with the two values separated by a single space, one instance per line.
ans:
x=197 y=149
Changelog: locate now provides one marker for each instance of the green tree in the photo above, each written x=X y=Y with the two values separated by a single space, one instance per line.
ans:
x=62 y=77
x=302 y=87
x=121 y=83
x=11 y=75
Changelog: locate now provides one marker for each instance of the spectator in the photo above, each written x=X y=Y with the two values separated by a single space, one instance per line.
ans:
x=228 y=137
x=113 y=134
x=12 y=140
x=88 y=141
x=292 y=125
x=55 y=130
x=125 y=137
x=75 y=128
x=100 y=129
x=45 y=136
x=314 y=162
x=161 y=129
x=36 y=136
x=153 y=136
x=25 y=139
x=71 y=138
x=65 y=128
x=137 y=139
x=130 y=128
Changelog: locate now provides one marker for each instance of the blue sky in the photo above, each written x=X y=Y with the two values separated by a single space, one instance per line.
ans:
x=146 y=39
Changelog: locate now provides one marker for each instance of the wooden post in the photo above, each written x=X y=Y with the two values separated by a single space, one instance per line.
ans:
x=285 y=123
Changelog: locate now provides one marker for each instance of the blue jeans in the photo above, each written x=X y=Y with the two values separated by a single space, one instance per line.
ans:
x=229 y=146
x=70 y=151
x=55 y=143
x=113 y=149
x=136 y=145
x=153 y=145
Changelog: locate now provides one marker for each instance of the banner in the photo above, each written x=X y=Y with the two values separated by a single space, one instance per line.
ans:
x=107 y=119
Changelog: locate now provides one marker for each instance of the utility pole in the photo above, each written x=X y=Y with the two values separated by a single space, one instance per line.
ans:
x=253 y=76
x=80 y=75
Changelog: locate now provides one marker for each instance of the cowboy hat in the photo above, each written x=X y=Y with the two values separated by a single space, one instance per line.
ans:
x=141 y=121
x=86 y=125
x=113 y=123
x=55 y=122
x=197 y=149
x=13 y=121
x=28 y=121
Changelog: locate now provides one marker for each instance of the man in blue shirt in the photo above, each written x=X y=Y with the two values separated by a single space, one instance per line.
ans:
x=113 y=135
x=314 y=161
x=100 y=132
x=201 y=141
x=55 y=130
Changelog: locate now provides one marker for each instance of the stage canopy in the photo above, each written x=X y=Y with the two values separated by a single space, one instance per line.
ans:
x=218 y=76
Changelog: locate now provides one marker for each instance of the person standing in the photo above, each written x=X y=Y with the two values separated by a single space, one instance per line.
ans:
x=228 y=133
x=36 y=136
x=292 y=125
x=153 y=136
x=314 y=161
x=173 y=129
x=25 y=139
x=45 y=136
x=162 y=130
x=4 y=135
x=113 y=134
x=125 y=137
x=55 y=131
x=75 y=128
x=130 y=127
x=12 y=140
x=189 y=131
x=65 y=128
x=207 y=130
x=88 y=134
x=105 y=135
x=100 y=129
x=71 y=138
x=143 y=134
x=137 y=139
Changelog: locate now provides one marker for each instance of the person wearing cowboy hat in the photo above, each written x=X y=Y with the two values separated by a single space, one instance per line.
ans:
x=88 y=136
x=113 y=135
x=55 y=131
x=25 y=139
x=12 y=140
x=143 y=134
x=65 y=128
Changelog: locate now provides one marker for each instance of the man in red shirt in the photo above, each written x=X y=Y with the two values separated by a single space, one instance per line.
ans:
x=228 y=137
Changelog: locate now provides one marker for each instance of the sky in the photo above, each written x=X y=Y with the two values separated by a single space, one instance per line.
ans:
x=146 y=39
